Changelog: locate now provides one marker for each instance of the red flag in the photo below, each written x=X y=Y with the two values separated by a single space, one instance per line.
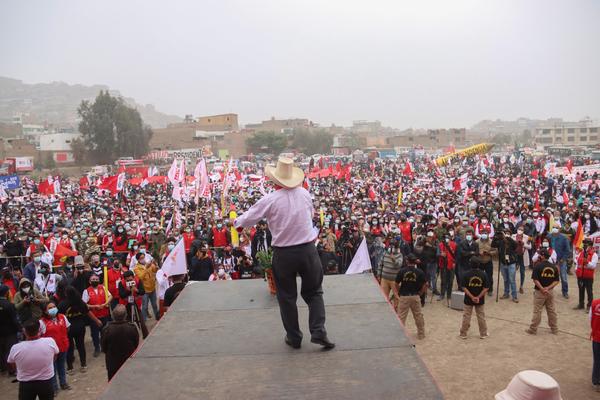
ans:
x=113 y=183
x=338 y=166
x=61 y=206
x=535 y=173
x=407 y=169
x=537 y=200
x=565 y=198
x=570 y=166
x=61 y=253
x=306 y=184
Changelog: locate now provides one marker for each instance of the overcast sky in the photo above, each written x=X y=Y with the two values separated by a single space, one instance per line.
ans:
x=422 y=64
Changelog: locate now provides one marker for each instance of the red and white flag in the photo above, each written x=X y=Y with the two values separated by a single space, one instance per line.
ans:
x=175 y=262
x=201 y=179
x=176 y=172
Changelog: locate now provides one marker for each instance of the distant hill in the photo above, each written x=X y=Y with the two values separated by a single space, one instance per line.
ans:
x=57 y=102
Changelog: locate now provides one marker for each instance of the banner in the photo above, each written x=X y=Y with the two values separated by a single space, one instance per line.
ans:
x=481 y=148
x=10 y=182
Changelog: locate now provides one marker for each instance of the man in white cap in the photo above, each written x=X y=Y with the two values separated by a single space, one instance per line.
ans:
x=289 y=212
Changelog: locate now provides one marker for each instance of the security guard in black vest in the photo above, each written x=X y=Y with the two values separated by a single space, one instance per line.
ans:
x=411 y=283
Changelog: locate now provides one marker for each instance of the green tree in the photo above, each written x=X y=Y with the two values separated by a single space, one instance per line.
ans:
x=111 y=129
x=315 y=142
x=266 y=142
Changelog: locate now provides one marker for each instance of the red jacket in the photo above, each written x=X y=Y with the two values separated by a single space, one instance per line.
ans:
x=582 y=261
x=220 y=237
x=57 y=330
x=98 y=299
x=114 y=276
x=449 y=261
x=188 y=238
x=595 y=322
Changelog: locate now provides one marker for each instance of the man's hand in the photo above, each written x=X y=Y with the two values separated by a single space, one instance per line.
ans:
x=27 y=300
x=475 y=299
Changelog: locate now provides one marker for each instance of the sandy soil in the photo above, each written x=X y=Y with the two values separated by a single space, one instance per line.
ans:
x=464 y=369
x=478 y=369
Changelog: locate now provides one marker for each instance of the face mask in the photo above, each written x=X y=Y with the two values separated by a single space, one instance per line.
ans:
x=447 y=240
x=36 y=241
x=120 y=230
x=109 y=253
x=135 y=247
x=53 y=312
x=545 y=245
x=221 y=272
x=484 y=221
x=26 y=289
x=554 y=230
x=520 y=231
x=44 y=271
x=219 y=226
x=484 y=236
x=171 y=246
x=116 y=267
x=529 y=220
x=95 y=283
x=429 y=234
x=143 y=251
x=37 y=259
x=469 y=238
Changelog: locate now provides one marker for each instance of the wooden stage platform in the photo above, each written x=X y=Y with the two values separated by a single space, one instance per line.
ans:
x=224 y=340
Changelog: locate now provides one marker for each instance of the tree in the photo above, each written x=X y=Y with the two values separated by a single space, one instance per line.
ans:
x=315 y=142
x=266 y=142
x=111 y=129
x=79 y=150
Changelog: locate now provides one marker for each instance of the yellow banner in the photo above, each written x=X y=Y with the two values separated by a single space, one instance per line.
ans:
x=480 y=148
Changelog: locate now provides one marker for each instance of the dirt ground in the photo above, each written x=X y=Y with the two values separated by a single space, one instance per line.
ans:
x=463 y=369
x=478 y=369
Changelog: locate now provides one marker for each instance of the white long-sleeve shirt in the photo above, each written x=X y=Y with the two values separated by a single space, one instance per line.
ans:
x=289 y=214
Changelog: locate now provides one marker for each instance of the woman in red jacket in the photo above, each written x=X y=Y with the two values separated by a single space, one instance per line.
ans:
x=55 y=326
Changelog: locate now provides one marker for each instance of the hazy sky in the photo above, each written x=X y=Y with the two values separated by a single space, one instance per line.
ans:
x=427 y=64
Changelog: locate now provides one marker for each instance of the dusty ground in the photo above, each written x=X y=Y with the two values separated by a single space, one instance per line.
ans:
x=464 y=369
x=478 y=369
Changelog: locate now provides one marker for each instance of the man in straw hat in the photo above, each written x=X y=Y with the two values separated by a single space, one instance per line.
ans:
x=289 y=212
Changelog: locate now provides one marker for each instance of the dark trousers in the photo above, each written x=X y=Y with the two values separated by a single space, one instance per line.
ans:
x=488 y=268
x=447 y=278
x=6 y=343
x=596 y=367
x=95 y=331
x=36 y=389
x=300 y=260
x=76 y=340
x=521 y=267
x=585 y=285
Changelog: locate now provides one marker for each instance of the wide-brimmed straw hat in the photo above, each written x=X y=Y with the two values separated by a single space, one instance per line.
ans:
x=285 y=174
x=531 y=385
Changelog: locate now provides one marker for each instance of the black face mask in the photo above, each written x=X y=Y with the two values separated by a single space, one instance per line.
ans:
x=44 y=272
x=95 y=283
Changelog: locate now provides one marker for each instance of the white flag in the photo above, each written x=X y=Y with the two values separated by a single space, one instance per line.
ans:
x=361 y=261
x=175 y=262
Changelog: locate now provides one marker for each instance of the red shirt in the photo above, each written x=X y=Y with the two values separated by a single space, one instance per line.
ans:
x=406 y=230
x=584 y=258
x=220 y=237
x=57 y=330
x=188 y=238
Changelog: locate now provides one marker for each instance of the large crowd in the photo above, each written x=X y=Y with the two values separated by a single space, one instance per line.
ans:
x=82 y=257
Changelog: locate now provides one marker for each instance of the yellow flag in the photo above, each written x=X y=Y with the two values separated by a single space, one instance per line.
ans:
x=551 y=222
x=105 y=283
x=322 y=216
x=235 y=238
x=400 y=195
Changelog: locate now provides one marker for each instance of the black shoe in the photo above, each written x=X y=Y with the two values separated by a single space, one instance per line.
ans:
x=65 y=387
x=96 y=353
x=327 y=345
x=578 y=307
x=292 y=345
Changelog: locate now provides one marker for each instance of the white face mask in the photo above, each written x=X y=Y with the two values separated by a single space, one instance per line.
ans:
x=469 y=238
x=484 y=236
x=26 y=289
